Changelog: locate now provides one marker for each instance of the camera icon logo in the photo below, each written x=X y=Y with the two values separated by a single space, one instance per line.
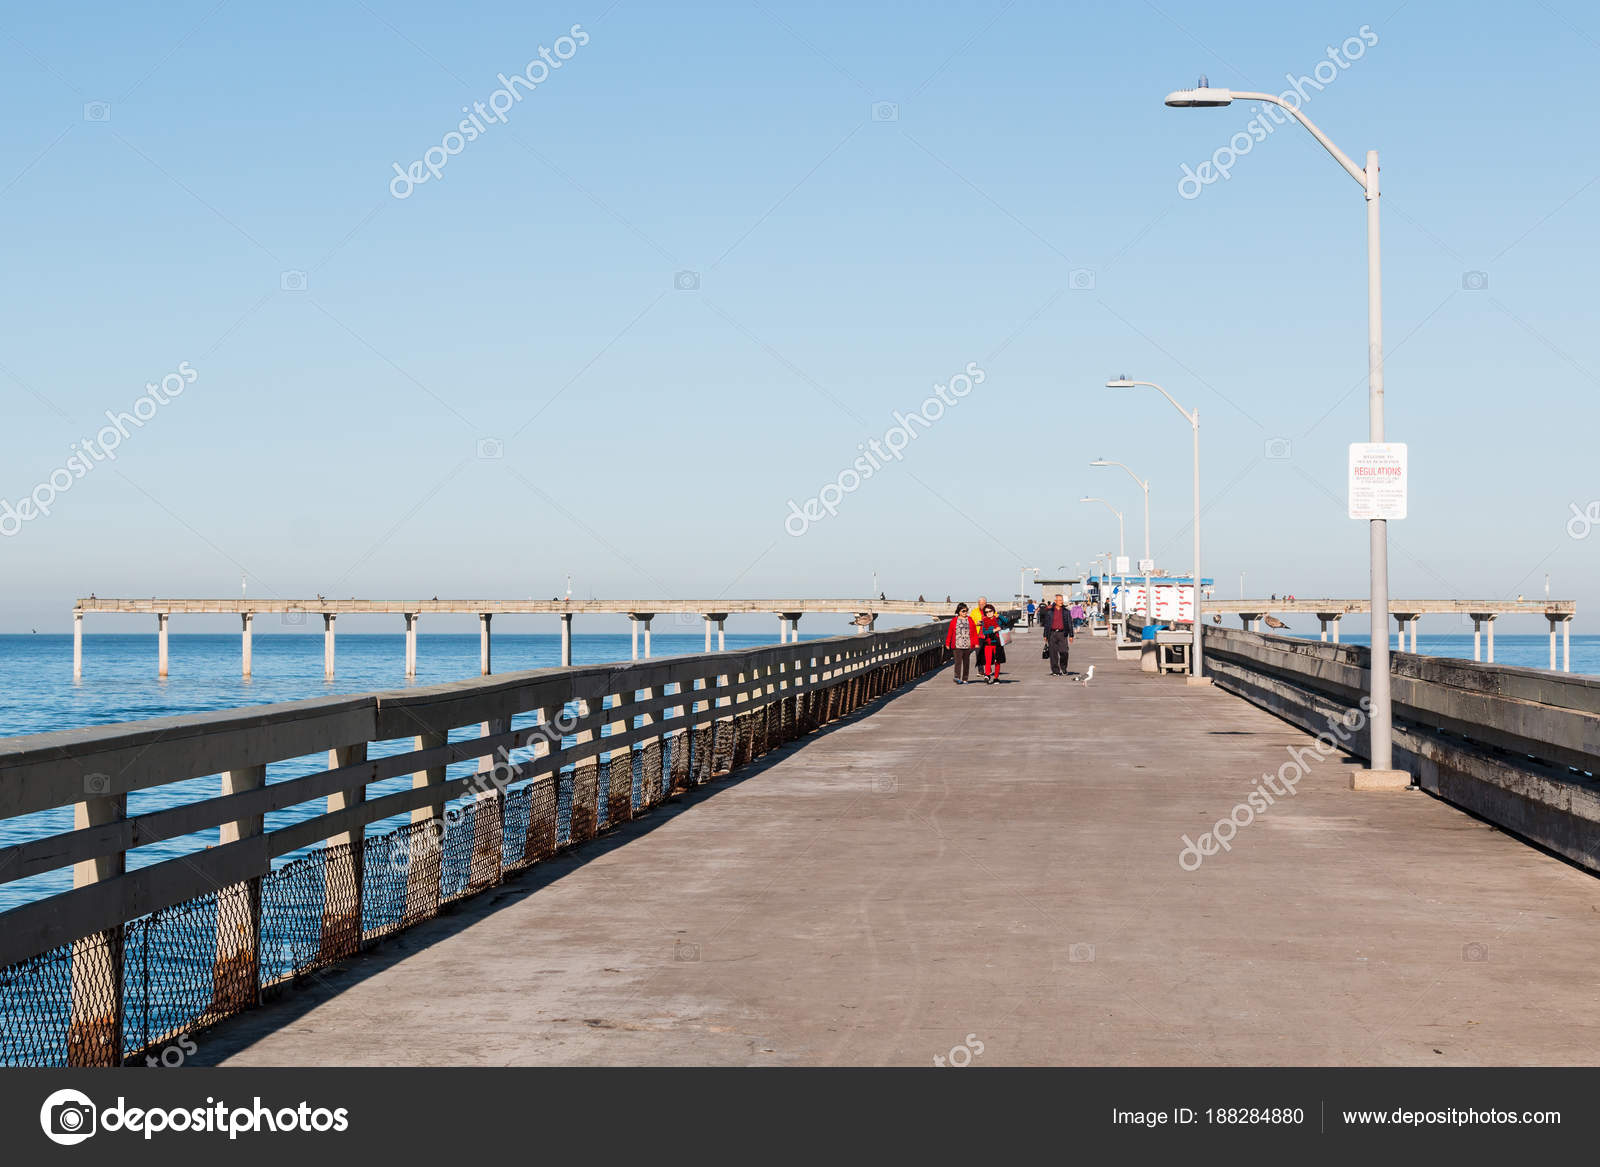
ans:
x=1475 y=953
x=686 y=281
x=885 y=784
x=1278 y=449
x=97 y=783
x=1582 y=521
x=1081 y=279
x=685 y=953
x=68 y=1117
x=1081 y=954
x=292 y=281
x=97 y=111
x=885 y=111
x=490 y=449
x=1474 y=281
x=295 y=619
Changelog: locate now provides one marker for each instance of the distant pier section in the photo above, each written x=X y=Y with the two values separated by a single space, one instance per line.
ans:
x=1558 y=613
x=640 y=613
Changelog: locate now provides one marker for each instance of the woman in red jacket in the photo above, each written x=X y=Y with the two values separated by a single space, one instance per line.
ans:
x=994 y=653
x=961 y=638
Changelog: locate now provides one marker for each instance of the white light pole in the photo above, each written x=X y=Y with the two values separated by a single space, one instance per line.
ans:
x=1144 y=485
x=1022 y=586
x=1122 y=549
x=1381 y=719
x=1196 y=656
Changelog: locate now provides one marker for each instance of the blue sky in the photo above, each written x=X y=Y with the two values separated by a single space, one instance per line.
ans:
x=871 y=198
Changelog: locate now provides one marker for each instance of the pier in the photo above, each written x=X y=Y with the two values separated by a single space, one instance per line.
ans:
x=640 y=614
x=825 y=853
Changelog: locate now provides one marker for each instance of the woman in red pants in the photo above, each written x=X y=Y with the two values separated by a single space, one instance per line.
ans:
x=990 y=645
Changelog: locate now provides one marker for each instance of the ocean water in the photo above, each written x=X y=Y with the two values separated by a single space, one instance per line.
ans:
x=38 y=695
x=1523 y=650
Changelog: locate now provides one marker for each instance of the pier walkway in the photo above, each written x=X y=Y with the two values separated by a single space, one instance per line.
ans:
x=999 y=862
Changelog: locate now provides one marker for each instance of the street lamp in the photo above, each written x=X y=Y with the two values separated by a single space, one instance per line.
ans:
x=1380 y=714
x=1144 y=485
x=1022 y=586
x=1196 y=660
x=1122 y=550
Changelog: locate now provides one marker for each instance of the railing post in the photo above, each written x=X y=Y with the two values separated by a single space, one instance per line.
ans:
x=342 y=891
x=236 y=975
x=487 y=810
x=94 y=1028
x=422 y=878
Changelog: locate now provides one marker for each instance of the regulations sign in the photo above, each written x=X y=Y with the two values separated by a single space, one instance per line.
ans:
x=1377 y=480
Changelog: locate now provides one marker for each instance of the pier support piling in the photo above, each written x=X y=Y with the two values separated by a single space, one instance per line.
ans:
x=77 y=646
x=161 y=644
x=411 y=645
x=485 y=662
x=566 y=639
x=246 y=619
x=328 y=619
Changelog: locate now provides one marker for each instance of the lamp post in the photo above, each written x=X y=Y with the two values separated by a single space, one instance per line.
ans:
x=1196 y=658
x=1144 y=485
x=1380 y=715
x=1122 y=550
x=1022 y=593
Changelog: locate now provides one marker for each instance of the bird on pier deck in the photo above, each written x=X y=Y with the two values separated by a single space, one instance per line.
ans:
x=1274 y=622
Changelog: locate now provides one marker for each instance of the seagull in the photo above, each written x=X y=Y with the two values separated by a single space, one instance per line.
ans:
x=1274 y=622
x=1087 y=677
x=1217 y=618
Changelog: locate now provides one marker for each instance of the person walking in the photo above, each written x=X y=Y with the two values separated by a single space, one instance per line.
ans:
x=1058 y=632
x=1030 y=611
x=990 y=630
x=1079 y=617
x=961 y=638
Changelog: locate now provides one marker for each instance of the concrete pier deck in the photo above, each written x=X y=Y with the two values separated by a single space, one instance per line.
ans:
x=1000 y=862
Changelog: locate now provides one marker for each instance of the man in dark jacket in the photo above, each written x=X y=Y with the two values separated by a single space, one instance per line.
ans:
x=1057 y=623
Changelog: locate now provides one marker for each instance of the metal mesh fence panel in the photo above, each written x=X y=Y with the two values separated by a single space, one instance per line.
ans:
x=585 y=802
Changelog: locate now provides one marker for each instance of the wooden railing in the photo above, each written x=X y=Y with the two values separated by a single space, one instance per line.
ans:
x=552 y=757
x=1518 y=746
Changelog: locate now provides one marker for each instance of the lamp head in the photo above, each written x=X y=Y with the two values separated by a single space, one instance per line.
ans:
x=1201 y=96
x=1121 y=382
x=1099 y=462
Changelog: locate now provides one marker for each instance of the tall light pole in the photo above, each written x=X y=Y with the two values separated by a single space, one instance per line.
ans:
x=1196 y=658
x=1022 y=586
x=1380 y=715
x=1144 y=485
x=1122 y=549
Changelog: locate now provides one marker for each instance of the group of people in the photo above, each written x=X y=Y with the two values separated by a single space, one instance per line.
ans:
x=983 y=632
